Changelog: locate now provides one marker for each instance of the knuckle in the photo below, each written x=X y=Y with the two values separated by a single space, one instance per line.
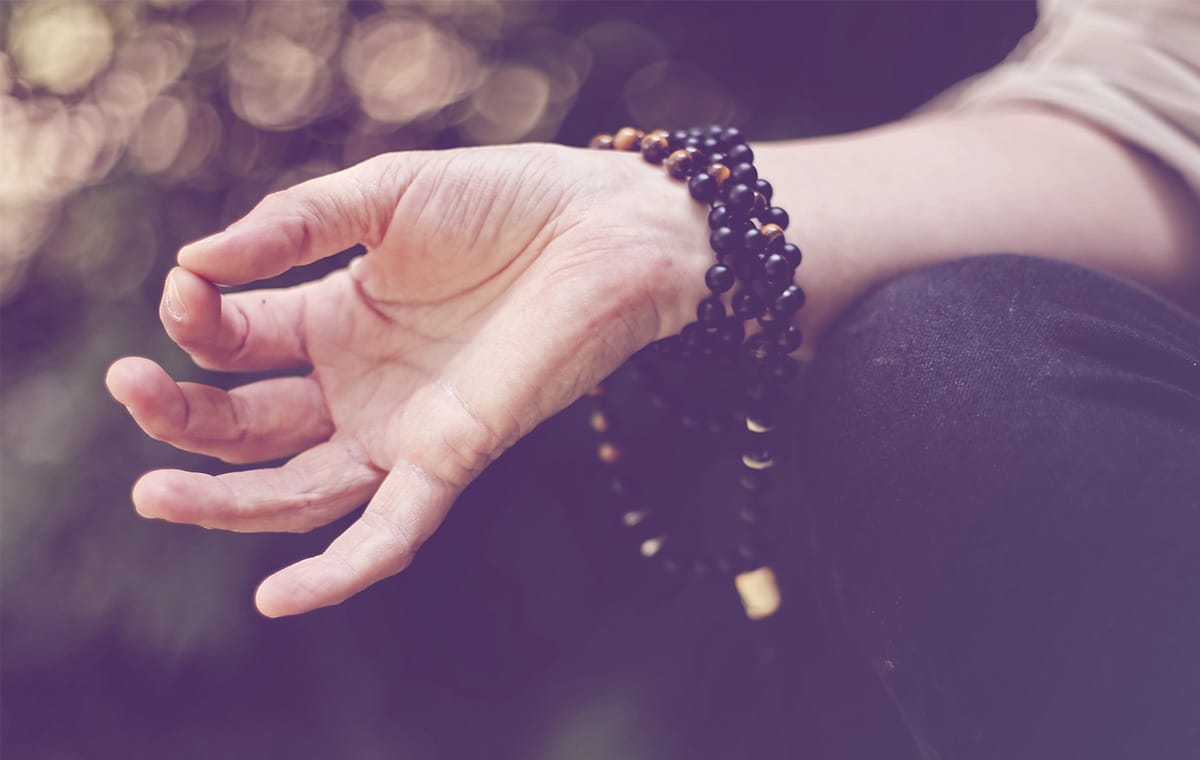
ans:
x=403 y=538
x=458 y=461
x=466 y=443
x=295 y=214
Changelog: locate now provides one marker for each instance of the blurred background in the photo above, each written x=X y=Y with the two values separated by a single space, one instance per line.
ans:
x=527 y=628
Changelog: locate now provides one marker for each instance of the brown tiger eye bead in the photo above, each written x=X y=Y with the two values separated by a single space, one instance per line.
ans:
x=599 y=422
x=628 y=138
x=771 y=232
x=657 y=134
x=602 y=141
x=656 y=146
x=608 y=453
x=719 y=172
x=679 y=164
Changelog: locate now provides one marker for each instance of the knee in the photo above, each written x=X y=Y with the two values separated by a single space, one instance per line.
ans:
x=940 y=362
x=936 y=338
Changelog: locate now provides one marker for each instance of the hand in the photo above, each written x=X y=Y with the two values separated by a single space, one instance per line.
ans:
x=499 y=284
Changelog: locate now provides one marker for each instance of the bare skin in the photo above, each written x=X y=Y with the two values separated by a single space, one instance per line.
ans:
x=501 y=283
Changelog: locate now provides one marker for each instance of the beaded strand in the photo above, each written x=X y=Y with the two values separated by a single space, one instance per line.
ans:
x=754 y=271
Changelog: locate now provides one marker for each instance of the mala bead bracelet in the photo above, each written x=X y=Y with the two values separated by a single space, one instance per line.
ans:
x=751 y=285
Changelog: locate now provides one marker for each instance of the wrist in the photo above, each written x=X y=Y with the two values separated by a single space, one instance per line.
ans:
x=673 y=246
x=813 y=198
x=666 y=232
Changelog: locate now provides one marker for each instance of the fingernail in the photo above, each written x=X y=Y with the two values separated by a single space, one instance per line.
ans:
x=172 y=300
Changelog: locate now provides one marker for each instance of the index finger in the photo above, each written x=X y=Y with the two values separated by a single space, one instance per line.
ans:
x=303 y=223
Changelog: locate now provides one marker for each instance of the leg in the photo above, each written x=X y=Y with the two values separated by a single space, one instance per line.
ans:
x=1002 y=466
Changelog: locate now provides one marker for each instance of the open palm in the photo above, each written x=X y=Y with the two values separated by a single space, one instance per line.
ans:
x=498 y=285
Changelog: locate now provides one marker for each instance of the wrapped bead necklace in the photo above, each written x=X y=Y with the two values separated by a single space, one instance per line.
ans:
x=753 y=273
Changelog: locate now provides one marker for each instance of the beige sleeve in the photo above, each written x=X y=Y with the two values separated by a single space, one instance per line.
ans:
x=1131 y=67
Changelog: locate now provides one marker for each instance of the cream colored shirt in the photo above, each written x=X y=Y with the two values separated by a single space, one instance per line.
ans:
x=1129 y=66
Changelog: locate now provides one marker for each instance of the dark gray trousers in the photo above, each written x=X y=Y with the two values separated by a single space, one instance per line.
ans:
x=1001 y=475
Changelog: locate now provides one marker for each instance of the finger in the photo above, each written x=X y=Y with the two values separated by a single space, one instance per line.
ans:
x=304 y=223
x=252 y=330
x=450 y=430
x=309 y=490
x=442 y=446
x=254 y=422
x=404 y=512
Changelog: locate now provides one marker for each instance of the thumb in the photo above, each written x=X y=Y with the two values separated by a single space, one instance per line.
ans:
x=306 y=222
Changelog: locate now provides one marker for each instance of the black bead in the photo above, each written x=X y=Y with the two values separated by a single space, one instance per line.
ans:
x=777 y=267
x=768 y=410
x=669 y=348
x=720 y=216
x=703 y=187
x=760 y=206
x=725 y=241
x=715 y=130
x=642 y=373
x=789 y=301
x=719 y=278
x=755 y=515
x=746 y=305
x=762 y=413
x=753 y=241
x=744 y=173
x=719 y=425
x=732 y=136
x=764 y=187
x=693 y=142
x=758 y=452
x=693 y=337
x=716 y=158
x=791 y=252
x=710 y=145
x=730 y=334
x=775 y=285
x=695 y=131
x=784 y=369
x=740 y=154
x=789 y=338
x=760 y=349
x=710 y=312
x=746 y=558
x=748 y=267
x=763 y=396
x=755 y=481
x=771 y=324
x=739 y=198
x=678 y=138
x=776 y=215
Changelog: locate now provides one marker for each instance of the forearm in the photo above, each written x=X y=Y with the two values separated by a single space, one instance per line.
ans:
x=869 y=206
